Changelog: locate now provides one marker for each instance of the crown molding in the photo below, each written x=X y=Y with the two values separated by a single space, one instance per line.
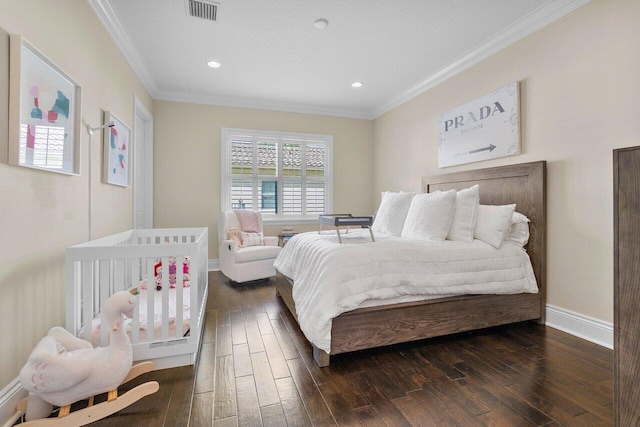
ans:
x=120 y=36
x=528 y=25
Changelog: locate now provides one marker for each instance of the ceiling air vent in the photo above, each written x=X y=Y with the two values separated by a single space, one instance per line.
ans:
x=202 y=9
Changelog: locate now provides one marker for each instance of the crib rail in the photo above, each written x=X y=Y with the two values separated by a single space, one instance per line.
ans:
x=97 y=269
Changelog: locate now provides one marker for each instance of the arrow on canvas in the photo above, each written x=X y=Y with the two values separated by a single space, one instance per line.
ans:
x=489 y=148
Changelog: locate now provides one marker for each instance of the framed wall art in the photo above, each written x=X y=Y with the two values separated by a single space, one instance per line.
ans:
x=44 y=112
x=117 y=150
x=485 y=128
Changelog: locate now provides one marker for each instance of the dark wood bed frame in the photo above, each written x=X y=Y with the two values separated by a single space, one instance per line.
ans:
x=522 y=184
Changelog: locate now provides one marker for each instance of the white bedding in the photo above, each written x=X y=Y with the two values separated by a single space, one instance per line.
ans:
x=332 y=278
x=157 y=316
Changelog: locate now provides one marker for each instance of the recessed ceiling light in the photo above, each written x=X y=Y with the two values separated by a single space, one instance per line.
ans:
x=321 y=23
x=357 y=84
x=213 y=64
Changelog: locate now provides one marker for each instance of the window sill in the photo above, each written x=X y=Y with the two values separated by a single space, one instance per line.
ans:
x=289 y=221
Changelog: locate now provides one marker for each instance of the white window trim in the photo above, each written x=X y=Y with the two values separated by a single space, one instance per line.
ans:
x=227 y=134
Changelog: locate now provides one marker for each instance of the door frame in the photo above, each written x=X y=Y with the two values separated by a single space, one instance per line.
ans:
x=143 y=167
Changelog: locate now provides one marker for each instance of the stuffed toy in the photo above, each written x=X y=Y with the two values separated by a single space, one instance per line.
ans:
x=157 y=273
x=234 y=234
x=186 y=280
x=172 y=272
x=157 y=268
x=63 y=369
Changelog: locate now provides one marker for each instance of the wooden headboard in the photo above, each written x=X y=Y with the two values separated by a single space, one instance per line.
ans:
x=523 y=184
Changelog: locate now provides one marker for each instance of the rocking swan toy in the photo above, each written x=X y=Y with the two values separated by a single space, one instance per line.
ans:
x=63 y=369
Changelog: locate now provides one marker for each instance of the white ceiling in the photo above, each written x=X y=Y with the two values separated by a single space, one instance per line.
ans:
x=273 y=57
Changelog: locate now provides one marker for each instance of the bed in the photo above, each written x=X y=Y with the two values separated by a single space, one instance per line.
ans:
x=369 y=327
x=135 y=258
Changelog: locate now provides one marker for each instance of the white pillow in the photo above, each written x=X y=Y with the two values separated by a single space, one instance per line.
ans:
x=430 y=216
x=251 y=239
x=519 y=230
x=493 y=222
x=392 y=213
x=465 y=215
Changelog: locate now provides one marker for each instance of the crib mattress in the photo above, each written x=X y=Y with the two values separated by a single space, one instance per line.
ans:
x=157 y=317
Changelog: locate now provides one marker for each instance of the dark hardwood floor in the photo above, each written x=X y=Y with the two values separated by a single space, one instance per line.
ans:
x=256 y=368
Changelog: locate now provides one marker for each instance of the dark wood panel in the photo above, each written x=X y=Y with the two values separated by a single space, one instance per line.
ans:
x=265 y=384
x=292 y=405
x=225 y=345
x=272 y=416
x=248 y=406
x=263 y=323
x=242 y=360
x=277 y=360
x=626 y=166
x=253 y=336
x=205 y=374
x=369 y=417
x=358 y=330
x=338 y=405
x=225 y=389
x=202 y=411
x=238 y=335
x=365 y=383
x=317 y=409
x=226 y=422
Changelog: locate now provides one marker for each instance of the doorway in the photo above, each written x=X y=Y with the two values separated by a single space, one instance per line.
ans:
x=143 y=167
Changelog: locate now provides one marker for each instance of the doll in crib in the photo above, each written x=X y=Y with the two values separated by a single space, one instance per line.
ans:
x=172 y=273
x=158 y=275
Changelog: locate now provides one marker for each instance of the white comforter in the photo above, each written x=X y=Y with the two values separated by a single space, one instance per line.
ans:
x=332 y=278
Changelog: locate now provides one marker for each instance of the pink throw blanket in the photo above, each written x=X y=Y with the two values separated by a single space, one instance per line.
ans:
x=248 y=220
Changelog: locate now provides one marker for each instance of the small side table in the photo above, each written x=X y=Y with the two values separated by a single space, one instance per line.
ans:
x=346 y=220
x=283 y=238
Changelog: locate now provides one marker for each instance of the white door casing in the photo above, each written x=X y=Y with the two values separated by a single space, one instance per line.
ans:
x=143 y=167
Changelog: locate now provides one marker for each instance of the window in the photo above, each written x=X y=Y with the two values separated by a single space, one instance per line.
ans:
x=286 y=176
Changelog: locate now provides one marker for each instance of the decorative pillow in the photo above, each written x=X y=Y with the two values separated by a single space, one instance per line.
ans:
x=519 y=230
x=248 y=220
x=392 y=213
x=493 y=222
x=251 y=239
x=465 y=214
x=430 y=216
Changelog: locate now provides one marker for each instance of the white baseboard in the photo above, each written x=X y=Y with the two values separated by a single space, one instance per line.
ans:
x=581 y=326
x=9 y=398
x=214 y=265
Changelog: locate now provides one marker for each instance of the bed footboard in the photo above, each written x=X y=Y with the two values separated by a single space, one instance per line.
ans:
x=373 y=327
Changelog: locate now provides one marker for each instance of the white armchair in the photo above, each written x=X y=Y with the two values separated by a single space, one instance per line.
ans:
x=249 y=263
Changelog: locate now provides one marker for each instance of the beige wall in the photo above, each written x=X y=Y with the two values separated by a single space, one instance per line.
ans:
x=579 y=95
x=187 y=160
x=42 y=213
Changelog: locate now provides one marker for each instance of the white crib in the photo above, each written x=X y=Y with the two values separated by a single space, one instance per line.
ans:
x=98 y=268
